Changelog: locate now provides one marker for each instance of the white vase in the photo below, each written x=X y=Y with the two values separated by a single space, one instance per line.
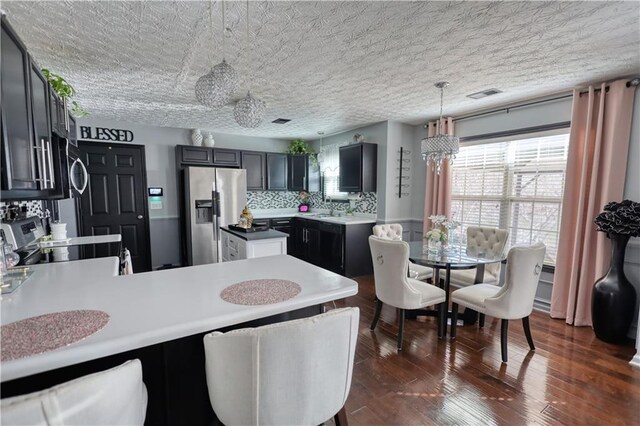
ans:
x=208 y=140
x=196 y=137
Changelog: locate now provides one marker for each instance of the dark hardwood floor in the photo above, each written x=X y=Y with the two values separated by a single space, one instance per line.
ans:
x=571 y=377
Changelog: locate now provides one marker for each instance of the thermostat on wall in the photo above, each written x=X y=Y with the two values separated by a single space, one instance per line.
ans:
x=155 y=191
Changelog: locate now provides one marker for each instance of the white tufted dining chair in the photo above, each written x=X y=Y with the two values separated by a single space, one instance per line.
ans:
x=514 y=300
x=393 y=287
x=393 y=231
x=112 y=397
x=482 y=240
x=291 y=373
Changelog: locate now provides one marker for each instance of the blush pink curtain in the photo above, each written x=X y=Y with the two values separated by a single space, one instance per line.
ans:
x=437 y=193
x=596 y=168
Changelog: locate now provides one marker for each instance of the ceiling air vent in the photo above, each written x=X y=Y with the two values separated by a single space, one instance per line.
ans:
x=281 y=121
x=484 y=93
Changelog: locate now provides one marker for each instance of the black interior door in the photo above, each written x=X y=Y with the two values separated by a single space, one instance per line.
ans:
x=115 y=201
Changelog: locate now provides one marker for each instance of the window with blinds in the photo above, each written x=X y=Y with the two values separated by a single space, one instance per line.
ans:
x=515 y=185
x=330 y=168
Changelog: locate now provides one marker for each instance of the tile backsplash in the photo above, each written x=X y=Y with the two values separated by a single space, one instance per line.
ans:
x=34 y=208
x=289 y=200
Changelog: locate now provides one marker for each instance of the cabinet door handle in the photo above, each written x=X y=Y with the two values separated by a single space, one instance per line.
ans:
x=38 y=157
x=50 y=158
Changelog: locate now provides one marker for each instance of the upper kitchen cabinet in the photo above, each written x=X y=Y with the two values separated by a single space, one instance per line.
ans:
x=27 y=160
x=42 y=126
x=303 y=173
x=58 y=115
x=276 y=172
x=18 y=168
x=188 y=155
x=226 y=157
x=358 y=167
x=255 y=165
x=194 y=155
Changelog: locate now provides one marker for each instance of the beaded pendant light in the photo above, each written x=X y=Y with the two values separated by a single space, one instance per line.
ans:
x=249 y=111
x=441 y=147
x=215 y=88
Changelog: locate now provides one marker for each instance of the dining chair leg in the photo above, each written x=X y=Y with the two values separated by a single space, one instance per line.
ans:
x=503 y=339
x=400 y=327
x=481 y=320
x=454 y=320
x=527 y=333
x=376 y=315
x=340 y=418
x=442 y=320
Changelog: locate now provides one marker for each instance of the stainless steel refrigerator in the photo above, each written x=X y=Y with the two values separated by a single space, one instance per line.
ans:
x=214 y=198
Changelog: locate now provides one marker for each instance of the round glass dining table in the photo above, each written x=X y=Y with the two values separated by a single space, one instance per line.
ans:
x=453 y=257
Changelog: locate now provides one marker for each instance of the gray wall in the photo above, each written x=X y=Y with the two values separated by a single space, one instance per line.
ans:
x=159 y=143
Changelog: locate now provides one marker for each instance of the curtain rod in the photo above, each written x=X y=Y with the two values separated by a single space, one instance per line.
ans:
x=633 y=82
x=507 y=109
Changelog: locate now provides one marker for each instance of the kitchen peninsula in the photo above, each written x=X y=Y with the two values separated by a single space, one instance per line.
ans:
x=160 y=318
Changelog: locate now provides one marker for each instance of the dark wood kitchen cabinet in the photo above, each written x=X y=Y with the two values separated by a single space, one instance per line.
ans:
x=223 y=157
x=343 y=249
x=194 y=155
x=255 y=165
x=306 y=239
x=303 y=174
x=28 y=163
x=283 y=224
x=358 y=167
x=19 y=162
x=276 y=172
x=58 y=115
x=188 y=155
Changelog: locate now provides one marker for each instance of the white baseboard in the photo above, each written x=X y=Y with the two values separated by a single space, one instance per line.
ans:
x=635 y=361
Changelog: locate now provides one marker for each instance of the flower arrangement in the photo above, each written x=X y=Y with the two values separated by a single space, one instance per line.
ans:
x=436 y=235
x=304 y=197
x=440 y=233
x=620 y=218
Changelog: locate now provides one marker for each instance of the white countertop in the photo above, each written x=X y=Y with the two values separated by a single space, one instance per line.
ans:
x=358 y=218
x=154 y=307
x=79 y=241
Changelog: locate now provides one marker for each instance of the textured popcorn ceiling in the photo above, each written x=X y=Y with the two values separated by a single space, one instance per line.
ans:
x=325 y=65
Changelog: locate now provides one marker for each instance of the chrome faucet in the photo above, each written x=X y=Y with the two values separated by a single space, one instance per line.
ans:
x=331 y=210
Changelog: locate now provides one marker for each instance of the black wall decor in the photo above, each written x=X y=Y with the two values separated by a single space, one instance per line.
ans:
x=104 y=134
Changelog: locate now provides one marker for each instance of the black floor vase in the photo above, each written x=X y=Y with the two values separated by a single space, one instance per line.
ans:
x=613 y=300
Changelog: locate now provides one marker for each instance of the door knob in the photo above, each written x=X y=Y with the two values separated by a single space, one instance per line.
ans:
x=140 y=216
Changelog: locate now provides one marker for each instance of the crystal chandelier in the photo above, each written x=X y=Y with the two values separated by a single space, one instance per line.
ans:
x=249 y=112
x=215 y=88
x=436 y=149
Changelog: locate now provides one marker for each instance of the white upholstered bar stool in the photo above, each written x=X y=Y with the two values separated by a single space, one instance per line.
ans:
x=393 y=287
x=291 y=373
x=514 y=300
x=393 y=231
x=112 y=397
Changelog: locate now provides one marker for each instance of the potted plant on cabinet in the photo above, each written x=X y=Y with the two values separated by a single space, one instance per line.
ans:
x=300 y=146
x=65 y=91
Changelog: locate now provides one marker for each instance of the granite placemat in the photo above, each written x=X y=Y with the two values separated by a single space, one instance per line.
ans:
x=260 y=292
x=44 y=333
